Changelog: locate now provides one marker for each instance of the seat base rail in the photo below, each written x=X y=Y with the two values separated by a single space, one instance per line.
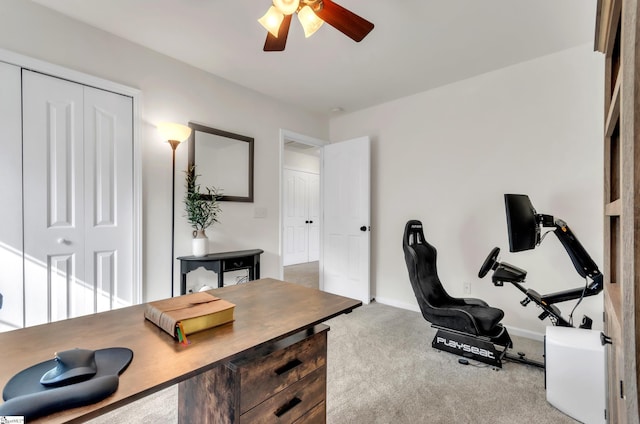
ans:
x=480 y=349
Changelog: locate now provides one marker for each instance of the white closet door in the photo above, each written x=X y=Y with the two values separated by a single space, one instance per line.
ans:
x=11 y=194
x=314 y=217
x=301 y=217
x=77 y=146
x=108 y=140
x=53 y=198
x=296 y=236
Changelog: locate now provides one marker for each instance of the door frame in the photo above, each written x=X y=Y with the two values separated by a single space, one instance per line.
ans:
x=286 y=135
x=96 y=82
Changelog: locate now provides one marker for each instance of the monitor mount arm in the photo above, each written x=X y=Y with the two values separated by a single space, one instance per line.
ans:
x=584 y=265
x=582 y=262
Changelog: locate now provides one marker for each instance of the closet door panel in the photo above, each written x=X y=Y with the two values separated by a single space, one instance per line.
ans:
x=11 y=313
x=109 y=197
x=296 y=240
x=54 y=283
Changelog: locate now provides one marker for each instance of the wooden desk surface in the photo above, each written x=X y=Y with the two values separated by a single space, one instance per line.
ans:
x=266 y=310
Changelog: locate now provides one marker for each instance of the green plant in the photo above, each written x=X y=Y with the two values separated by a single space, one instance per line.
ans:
x=202 y=209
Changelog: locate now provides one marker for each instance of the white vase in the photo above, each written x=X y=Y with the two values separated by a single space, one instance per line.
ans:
x=200 y=243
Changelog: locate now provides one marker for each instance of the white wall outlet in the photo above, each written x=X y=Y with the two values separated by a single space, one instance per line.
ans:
x=467 y=287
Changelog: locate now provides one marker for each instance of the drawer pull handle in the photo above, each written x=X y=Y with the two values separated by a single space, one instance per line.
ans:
x=287 y=407
x=288 y=366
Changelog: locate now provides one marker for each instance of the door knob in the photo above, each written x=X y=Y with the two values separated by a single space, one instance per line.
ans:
x=63 y=240
x=363 y=228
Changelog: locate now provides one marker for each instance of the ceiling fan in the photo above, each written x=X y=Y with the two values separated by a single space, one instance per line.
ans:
x=311 y=14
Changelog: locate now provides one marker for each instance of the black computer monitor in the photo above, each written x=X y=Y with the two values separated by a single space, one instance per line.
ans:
x=522 y=224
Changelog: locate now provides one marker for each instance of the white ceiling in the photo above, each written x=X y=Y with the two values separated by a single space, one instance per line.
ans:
x=416 y=45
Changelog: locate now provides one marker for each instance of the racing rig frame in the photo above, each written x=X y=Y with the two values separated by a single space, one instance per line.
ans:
x=524 y=226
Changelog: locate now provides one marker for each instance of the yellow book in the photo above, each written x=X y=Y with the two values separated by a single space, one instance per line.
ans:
x=195 y=311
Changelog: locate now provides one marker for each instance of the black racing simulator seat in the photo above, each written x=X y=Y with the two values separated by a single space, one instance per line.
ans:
x=466 y=327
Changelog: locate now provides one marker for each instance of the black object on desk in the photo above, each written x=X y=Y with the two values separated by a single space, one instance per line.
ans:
x=221 y=263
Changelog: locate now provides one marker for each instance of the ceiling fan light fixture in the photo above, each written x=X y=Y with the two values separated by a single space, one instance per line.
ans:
x=309 y=20
x=287 y=7
x=272 y=20
x=311 y=14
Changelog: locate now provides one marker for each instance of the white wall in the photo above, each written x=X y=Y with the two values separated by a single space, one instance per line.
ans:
x=447 y=156
x=301 y=161
x=171 y=91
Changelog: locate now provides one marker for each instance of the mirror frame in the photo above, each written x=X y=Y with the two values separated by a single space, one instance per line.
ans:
x=192 y=158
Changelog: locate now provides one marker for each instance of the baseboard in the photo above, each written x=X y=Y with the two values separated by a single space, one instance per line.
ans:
x=515 y=331
x=402 y=305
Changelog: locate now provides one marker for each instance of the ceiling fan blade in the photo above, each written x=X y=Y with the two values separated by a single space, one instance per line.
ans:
x=277 y=44
x=345 y=21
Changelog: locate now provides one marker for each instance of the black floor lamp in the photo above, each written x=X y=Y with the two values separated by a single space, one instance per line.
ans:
x=175 y=134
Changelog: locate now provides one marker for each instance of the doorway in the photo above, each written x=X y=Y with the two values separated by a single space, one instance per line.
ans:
x=301 y=206
x=344 y=214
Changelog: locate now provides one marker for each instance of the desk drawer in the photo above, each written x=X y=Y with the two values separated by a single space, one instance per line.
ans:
x=265 y=376
x=318 y=415
x=293 y=403
x=237 y=263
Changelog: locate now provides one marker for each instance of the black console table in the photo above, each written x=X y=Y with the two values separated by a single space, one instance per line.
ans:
x=221 y=263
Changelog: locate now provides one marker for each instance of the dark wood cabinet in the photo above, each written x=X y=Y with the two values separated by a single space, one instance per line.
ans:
x=282 y=382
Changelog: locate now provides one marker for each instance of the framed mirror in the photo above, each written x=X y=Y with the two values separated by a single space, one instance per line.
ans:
x=223 y=160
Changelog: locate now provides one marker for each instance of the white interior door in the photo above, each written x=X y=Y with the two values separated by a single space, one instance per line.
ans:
x=77 y=153
x=296 y=237
x=346 y=230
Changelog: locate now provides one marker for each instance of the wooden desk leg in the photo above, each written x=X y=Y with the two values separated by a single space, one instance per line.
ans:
x=207 y=398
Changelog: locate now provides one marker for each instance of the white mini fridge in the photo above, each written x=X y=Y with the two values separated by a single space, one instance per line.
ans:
x=575 y=373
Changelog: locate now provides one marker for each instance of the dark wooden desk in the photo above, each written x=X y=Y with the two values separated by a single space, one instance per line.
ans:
x=221 y=263
x=266 y=311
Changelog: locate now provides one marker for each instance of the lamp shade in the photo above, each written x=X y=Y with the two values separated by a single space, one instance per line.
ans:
x=309 y=20
x=173 y=131
x=272 y=20
x=287 y=7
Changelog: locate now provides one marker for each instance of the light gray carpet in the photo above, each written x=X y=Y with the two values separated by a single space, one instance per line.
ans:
x=382 y=369
x=306 y=274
